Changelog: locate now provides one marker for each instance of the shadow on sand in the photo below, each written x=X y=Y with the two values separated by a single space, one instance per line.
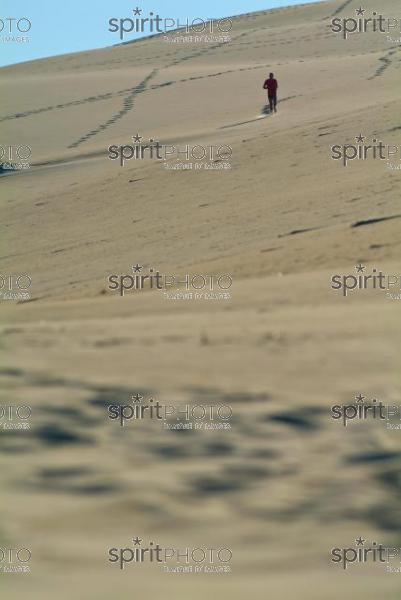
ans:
x=265 y=112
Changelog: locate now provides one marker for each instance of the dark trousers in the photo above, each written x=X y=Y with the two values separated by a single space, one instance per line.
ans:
x=272 y=101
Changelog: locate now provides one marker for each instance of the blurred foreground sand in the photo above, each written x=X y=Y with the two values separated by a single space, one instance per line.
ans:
x=286 y=483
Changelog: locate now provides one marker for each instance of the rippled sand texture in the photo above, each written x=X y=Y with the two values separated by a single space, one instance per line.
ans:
x=286 y=483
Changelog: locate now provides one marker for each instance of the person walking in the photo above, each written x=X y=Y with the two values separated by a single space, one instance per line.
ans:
x=271 y=86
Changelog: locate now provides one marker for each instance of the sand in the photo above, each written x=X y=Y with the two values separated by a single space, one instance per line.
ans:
x=286 y=483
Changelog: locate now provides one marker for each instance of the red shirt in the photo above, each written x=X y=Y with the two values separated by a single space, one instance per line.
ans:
x=271 y=86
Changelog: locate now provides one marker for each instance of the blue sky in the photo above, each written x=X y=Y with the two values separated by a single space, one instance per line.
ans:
x=72 y=25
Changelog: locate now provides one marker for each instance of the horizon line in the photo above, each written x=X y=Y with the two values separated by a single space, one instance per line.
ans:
x=147 y=37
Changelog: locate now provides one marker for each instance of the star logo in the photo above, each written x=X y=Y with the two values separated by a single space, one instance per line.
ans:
x=137 y=397
x=137 y=541
x=136 y=138
x=360 y=541
x=360 y=268
x=137 y=268
x=360 y=11
x=360 y=138
x=359 y=399
x=137 y=11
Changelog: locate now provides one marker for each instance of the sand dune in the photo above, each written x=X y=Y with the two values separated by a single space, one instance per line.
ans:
x=286 y=483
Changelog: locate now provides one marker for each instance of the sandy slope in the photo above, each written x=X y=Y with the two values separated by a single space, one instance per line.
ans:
x=286 y=483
